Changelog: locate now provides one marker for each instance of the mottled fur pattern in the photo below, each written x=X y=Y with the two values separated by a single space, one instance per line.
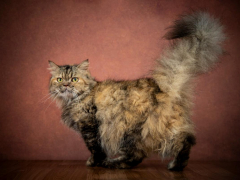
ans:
x=122 y=122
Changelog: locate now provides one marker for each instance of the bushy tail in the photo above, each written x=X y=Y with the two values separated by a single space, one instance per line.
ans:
x=196 y=50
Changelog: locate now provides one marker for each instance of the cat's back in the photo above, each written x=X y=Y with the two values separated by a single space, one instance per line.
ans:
x=126 y=99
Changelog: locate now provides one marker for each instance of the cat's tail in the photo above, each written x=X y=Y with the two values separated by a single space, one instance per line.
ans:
x=195 y=50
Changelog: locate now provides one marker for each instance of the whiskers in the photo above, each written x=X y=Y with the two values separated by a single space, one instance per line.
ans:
x=66 y=98
x=50 y=96
x=55 y=95
x=45 y=98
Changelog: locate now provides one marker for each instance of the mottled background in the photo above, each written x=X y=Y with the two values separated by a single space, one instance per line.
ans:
x=121 y=39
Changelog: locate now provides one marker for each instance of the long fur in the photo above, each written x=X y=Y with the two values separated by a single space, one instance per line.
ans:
x=196 y=51
x=122 y=122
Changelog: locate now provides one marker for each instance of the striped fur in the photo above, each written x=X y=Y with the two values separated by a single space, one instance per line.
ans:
x=122 y=122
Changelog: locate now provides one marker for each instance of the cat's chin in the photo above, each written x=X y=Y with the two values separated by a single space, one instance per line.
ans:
x=63 y=100
x=68 y=96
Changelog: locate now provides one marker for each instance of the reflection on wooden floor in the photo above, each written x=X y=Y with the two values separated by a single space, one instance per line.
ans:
x=149 y=170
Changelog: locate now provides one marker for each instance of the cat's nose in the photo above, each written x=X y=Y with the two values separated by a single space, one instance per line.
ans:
x=66 y=85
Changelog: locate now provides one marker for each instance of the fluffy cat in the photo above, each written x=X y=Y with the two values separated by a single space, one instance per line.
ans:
x=122 y=122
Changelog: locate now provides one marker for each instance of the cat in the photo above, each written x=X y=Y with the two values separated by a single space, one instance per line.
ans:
x=122 y=122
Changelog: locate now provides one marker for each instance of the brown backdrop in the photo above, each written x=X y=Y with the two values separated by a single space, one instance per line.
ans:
x=121 y=39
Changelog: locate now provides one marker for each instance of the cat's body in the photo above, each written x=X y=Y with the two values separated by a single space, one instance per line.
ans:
x=122 y=122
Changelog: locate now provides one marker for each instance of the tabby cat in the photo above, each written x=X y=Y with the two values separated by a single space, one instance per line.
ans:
x=122 y=122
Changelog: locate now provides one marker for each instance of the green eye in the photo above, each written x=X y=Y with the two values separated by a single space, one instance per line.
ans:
x=59 y=79
x=74 y=79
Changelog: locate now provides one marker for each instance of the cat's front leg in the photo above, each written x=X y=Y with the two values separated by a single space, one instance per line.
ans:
x=96 y=159
x=82 y=116
x=89 y=130
x=90 y=161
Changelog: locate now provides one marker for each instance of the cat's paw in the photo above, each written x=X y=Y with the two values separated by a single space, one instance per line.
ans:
x=90 y=162
x=173 y=166
x=115 y=165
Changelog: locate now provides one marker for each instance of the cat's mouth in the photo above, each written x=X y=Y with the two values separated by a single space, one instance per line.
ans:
x=66 y=91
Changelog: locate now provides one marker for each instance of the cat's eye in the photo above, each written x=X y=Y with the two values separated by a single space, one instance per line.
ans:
x=59 y=80
x=74 y=79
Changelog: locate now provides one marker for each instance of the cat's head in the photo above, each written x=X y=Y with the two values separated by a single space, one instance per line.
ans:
x=70 y=81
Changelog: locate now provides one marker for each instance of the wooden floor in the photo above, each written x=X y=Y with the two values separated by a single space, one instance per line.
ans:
x=149 y=170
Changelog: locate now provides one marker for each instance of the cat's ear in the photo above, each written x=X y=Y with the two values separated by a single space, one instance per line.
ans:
x=53 y=67
x=84 y=65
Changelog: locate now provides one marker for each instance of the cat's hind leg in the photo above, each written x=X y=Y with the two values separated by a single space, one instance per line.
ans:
x=130 y=153
x=181 y=150
x=124 y=161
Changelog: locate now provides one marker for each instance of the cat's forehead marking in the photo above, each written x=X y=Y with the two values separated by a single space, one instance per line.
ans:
x=67 y=72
